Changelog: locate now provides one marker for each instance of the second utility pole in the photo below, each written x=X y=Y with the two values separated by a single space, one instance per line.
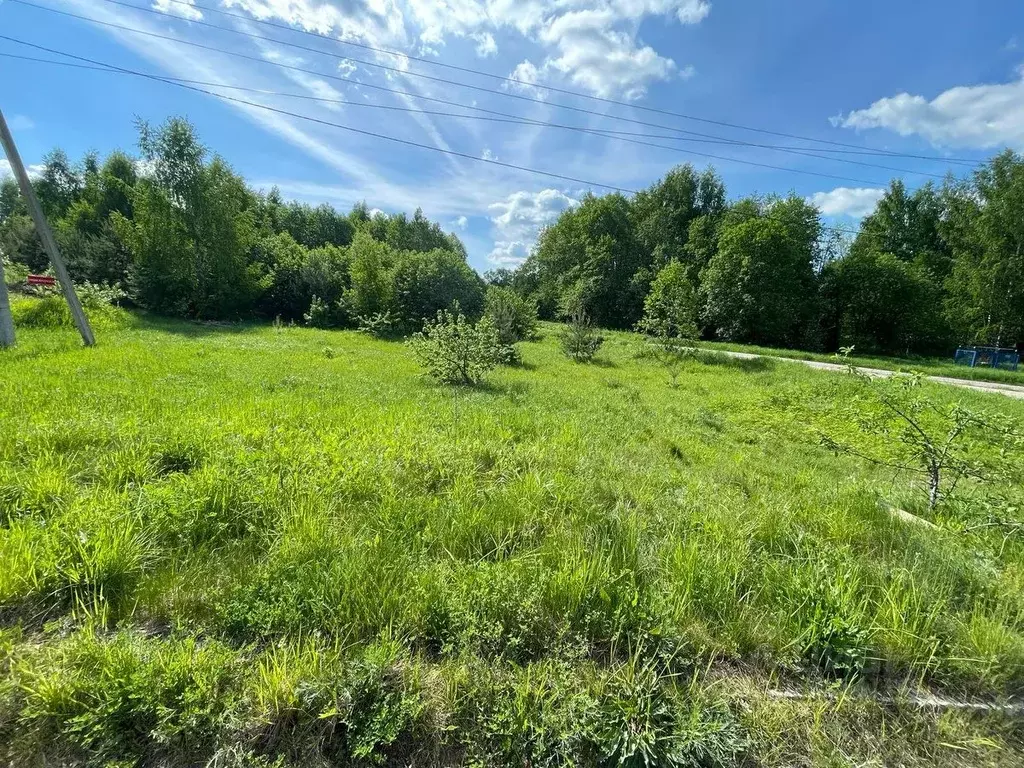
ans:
x=45 y=234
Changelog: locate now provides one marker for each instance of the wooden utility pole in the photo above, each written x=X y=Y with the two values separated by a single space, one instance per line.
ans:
x=6 y=320
x=45 y=233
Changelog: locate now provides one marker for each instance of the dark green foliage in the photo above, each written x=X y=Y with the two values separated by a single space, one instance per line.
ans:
x=668 y=212
x=425 y=282
x=879 y=303
x=590 y=257
x=189 y=238
x=760 y=285
x=408 y=286
x=908 y=226
x=297 y=274
x=188 y=235
x=323 y=313
x=670 y=309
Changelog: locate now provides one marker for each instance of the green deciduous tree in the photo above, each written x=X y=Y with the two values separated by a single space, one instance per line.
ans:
x=191 y=231
x=984 y=223
x=670 y=309
x=589 y=259
x=664 y=214
x=908 y=226
x=760 y=284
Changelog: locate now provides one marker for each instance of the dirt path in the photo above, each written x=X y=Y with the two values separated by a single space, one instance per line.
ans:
x=1010 y=390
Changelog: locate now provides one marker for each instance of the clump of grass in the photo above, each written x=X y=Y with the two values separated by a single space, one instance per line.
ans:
x=52 y=312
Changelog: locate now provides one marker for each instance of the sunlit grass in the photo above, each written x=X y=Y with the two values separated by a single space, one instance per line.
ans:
x=248 y=542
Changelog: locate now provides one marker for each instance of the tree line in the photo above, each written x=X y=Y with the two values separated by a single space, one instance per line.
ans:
x=929 y=269
x=187 y=237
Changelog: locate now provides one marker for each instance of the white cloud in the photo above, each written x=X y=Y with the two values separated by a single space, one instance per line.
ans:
x=855 y=202
x=462 y=222
x=509 y=253
x=347 y=67
x=485 y=45
x=591 y=44
x=518 y=220
x=34 y=171
x=488 y=155
x=979 y=116
x=525 y=77
x=595 y=56
x=184 y=8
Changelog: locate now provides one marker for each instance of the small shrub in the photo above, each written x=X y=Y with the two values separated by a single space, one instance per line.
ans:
x=579 y=339
x=669 y=320
x=100 y=295
x=456 y=351
x=514 y=317
x=671 y=353
x=322 y=314
x=379 y=324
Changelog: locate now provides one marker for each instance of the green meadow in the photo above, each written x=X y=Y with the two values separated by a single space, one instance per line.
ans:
x=247 y=545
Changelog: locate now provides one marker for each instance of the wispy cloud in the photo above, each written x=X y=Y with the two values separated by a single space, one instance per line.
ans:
x=20 y=123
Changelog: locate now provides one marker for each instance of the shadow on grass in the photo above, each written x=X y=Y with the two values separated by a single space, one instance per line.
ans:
x=745 y=364
x=196 y=328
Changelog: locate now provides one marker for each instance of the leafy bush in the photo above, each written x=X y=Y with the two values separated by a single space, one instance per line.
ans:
x=514 y=317
x=456 y=351
x=579 y=339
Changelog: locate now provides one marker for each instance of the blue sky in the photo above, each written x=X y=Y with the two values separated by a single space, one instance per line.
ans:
x=946 y=82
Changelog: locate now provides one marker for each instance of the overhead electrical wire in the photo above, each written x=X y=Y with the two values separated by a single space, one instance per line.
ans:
x=346 y=80
x=503 y=78
x=513 y=119
x=790 y=150
x=97 y=65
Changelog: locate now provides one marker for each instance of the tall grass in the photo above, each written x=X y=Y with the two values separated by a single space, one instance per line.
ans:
x=224 y=545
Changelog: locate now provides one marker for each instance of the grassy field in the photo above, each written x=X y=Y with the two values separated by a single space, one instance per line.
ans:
x=242 y=546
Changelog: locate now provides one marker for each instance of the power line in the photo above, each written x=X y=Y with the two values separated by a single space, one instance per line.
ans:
x=102 y=67
x=363 y=132
x=502 y=117
x=445 y=81
x=124 y=70
x=345 y=80
x=492 y=75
